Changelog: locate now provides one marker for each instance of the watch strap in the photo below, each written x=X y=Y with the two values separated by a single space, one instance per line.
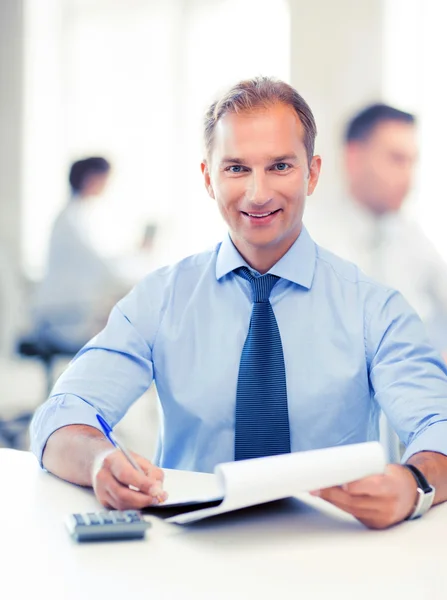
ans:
x=426 y=493
x=420 y=479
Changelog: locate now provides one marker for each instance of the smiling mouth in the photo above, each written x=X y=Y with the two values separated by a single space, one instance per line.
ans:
x=261 y=215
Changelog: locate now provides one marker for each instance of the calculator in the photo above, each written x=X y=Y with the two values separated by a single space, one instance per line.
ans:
x=107 y=525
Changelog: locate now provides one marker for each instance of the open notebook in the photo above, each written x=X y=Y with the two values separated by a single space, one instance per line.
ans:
x=244 y=483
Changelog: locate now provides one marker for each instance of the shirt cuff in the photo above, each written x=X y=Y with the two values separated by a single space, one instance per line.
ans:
x=432 y=439
x=57 y=412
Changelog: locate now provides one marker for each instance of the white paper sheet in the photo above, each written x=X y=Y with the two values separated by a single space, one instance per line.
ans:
x=255 y=481
x=186 y=488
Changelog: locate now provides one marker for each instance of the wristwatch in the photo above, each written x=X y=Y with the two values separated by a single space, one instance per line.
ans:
x=426 y=493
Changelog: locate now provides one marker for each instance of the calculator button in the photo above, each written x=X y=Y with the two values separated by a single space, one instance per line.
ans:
x=118 y=517
x=107 y=519
x=132 y=516
x=79 y=519
x=93 y=519
x=135 y=519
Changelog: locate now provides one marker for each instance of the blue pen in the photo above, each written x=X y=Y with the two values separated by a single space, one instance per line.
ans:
x=111 y=437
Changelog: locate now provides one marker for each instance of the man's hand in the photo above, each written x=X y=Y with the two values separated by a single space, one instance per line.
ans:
x=378 y=501
x=118 y=485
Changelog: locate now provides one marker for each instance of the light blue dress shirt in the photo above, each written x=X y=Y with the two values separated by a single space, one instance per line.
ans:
x=351 y=347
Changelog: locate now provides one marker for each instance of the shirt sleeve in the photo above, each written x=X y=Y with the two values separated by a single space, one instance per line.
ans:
x=408 y=376
x=112 y=371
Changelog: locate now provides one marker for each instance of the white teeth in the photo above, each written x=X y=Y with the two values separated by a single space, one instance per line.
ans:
x=264 y=215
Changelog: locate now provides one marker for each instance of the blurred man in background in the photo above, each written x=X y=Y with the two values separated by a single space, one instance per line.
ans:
x=81 y=283
x=369 y=227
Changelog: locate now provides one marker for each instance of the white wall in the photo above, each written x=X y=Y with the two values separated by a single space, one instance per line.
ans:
x=337 y=66
x=416 y=47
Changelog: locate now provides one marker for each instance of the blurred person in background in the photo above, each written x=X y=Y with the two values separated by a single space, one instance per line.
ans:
x=82 y=282
x=369 y=226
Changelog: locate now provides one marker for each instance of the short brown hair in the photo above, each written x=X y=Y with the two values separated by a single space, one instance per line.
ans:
x=258 y=92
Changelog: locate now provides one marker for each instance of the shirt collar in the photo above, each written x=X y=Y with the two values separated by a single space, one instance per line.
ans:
x=297 y=265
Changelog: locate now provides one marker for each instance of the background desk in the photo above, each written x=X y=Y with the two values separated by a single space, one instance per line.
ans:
x=294 y=549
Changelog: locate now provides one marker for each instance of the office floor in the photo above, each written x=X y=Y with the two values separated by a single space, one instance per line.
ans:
x=22 y=389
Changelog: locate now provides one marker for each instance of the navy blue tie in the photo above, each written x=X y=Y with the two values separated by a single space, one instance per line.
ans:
x=262 y=419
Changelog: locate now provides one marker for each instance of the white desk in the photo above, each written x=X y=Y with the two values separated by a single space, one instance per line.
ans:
x=294 y=549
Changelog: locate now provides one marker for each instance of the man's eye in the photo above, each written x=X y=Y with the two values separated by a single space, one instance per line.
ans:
x=281 y=166
x=235 y=169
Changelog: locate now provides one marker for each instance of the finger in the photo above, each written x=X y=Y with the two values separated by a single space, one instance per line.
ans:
x=103 y=496
x=112 y=501
x=155 y=491
x=376 y=512
x=373 y=514
x=108 y=501
x=350 y=503
x=124 y=472
x=387 y=484
x=376 y=485
x=125 y=498
x=150 y=469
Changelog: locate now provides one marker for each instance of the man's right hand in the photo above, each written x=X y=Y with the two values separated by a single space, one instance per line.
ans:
x=113 y=474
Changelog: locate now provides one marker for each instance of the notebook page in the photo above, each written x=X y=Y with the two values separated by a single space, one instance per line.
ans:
x=255 y=481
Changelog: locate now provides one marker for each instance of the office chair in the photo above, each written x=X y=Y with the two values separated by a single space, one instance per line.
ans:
x=45 y=353
x=13 y=431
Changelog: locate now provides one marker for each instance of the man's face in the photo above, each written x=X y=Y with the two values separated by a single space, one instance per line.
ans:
x=96 y=183
x=381 y=168
x=258 y=173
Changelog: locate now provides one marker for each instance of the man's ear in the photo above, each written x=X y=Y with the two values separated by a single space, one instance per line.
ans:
x=207 y=178
x=314 y=174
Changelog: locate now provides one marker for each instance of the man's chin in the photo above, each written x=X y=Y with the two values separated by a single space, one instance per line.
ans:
x=262 y=240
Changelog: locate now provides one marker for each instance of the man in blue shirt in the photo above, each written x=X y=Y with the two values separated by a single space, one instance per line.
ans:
x=266 y=344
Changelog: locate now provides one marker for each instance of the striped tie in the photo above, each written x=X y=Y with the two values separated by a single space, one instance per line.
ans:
x=262 y=420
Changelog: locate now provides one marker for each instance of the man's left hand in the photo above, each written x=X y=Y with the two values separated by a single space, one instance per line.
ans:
x=378 y=501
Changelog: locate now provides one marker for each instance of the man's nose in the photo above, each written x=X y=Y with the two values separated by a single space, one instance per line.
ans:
x=259 y=192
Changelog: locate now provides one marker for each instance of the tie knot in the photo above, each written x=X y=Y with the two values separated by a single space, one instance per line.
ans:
x=261 y=285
